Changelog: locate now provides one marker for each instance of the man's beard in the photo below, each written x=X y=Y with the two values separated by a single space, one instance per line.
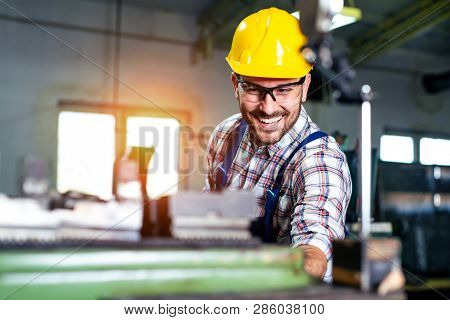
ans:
x=256 y=134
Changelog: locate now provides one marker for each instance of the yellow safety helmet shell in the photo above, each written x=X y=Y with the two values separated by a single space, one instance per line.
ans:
x=267 y=44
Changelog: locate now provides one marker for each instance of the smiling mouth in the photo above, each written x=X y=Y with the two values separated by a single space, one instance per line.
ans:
x=269 y=121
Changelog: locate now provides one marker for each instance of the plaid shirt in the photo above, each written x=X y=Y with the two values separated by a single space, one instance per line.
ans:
x=316 y=187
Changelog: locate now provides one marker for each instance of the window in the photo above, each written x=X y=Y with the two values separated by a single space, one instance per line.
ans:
x=86 y=153
x=397 y=148
x=435 y=151
x=92 y=136
x=162 y=134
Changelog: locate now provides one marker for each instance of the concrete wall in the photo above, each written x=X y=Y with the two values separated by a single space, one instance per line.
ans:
x=37 y=70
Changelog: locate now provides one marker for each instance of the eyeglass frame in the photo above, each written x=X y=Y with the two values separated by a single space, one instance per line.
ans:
x=270 y=90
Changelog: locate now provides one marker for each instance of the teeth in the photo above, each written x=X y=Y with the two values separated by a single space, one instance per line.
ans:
x=270 y=120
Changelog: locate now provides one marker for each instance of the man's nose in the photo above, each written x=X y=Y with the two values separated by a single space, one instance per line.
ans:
x=268 y=105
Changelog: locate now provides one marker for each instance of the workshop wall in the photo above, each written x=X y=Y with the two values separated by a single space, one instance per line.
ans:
x=37 y=70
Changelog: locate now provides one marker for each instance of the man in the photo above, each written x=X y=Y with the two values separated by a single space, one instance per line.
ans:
x=299 y=174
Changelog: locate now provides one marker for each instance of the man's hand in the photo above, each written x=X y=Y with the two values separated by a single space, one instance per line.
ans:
x=315 y=261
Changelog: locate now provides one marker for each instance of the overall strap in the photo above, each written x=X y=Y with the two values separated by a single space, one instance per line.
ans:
x=273 y=194
x=221 y=177
x=313 y=136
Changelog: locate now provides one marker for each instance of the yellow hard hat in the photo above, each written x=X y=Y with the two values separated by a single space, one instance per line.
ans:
x=267 y=44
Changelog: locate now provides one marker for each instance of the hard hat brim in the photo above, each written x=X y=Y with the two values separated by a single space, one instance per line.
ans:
x=268 y=72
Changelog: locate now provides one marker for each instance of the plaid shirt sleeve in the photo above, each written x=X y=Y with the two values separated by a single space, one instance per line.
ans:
x=323 y=185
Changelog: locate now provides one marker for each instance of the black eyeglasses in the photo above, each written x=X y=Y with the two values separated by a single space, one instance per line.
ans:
x=253 y=92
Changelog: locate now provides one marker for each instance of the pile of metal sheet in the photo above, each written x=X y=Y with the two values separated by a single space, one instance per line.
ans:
x=25 y=221
x=226 y=215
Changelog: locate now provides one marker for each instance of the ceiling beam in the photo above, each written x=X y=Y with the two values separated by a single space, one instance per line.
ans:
x=219 y=17
x=399 y=28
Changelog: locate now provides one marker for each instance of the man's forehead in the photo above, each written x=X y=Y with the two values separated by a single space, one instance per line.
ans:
x=269 y=82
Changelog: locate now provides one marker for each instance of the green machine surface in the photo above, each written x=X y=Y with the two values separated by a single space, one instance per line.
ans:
x=92 y=273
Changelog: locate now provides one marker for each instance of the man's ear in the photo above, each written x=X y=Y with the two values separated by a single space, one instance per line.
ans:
x=305 y=87
x=234 y=81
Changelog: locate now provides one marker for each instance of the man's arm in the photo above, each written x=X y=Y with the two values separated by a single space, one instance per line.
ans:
x=323 y=186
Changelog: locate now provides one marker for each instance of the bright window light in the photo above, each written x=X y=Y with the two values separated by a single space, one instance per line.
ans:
x=162 y=134
x=86 y=149
x=435 y=151
x=397 y=149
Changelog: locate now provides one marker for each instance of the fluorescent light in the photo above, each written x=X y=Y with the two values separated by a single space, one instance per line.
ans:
x=366 y=159
x=347 y=16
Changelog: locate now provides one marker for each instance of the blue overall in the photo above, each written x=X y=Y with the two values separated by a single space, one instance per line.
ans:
x=263 y=227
